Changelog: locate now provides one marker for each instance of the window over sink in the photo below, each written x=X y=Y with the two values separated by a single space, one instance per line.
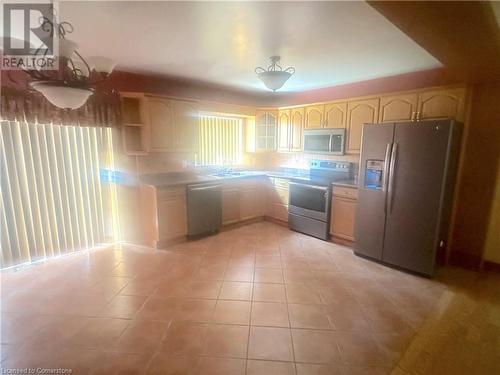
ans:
x=220 y=141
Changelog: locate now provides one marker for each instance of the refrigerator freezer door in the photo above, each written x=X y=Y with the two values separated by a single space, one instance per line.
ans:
x=370 y=215
x=415 y=193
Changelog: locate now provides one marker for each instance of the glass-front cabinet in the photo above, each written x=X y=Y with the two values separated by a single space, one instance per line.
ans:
x=262 y=133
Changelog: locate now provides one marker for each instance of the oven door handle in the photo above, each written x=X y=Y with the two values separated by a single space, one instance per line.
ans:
x=318 y=187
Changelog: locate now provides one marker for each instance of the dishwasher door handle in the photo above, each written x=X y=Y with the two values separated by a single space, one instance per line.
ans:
x=204 y=187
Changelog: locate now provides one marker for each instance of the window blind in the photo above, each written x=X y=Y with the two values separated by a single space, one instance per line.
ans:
x=52 y=198
x=220 y=141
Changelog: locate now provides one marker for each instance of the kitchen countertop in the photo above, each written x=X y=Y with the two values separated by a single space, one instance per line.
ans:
x=178 y=179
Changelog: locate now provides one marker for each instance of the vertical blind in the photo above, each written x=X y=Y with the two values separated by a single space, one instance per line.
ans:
x=220 y=141
x=52 y=198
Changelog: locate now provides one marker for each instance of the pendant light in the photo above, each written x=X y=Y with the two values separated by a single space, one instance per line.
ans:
x=74 y=81
x=275 y=76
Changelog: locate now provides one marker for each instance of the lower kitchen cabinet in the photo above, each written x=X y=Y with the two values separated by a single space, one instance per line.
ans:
x=343 y=212
x=277 y=199
x=164 y=214
x=172 y=218
x=230 y=204
x=242 y=200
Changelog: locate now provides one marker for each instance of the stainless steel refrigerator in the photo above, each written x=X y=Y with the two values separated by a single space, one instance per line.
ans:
x=406 y=183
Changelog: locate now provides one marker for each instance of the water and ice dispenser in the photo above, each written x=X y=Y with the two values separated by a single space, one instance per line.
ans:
x=374 y=170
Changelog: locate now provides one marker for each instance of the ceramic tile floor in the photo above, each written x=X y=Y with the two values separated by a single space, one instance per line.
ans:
x=256 y=299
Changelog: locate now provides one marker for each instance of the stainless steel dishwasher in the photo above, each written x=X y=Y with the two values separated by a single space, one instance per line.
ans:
x=204 y=208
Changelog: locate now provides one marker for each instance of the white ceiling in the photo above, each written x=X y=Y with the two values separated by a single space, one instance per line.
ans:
x=329 y=43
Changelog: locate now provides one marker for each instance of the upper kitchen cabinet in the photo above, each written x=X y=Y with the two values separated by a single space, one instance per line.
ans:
x=186 y=126
x=161 y=114
x=173 y=125
x=314 y=117
x=135 y=124
x=442 y=103
x=335 y=115
x=359 y=112
x=262 y=134
x=401 y=107
x=284 y=130
x=290 y=124
x=296 y=128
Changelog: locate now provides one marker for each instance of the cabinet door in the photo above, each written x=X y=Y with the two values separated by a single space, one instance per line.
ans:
x=280 y=212
x=283 y=131
x=314 y=117
x=230 y=205
x=296 y=126
x=398 y=107
x=359 y=112
x=342 y=218
x=161 y=117
x=266 y=123
x=186 y=126
x=335 y=115
x=172 y=218
x=445 y=103
x=249 y=203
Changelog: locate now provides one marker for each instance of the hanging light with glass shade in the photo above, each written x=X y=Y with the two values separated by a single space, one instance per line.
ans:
x=275 y=76
x=74 y=81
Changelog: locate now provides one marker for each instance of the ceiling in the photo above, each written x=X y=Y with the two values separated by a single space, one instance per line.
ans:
x=329 y=43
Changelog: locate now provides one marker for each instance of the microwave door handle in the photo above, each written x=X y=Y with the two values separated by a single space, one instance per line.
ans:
x=330 y=144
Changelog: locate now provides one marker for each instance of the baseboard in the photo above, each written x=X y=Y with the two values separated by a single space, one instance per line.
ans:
x=465 y=260
x=341 y=241
x=276 y=221
x=491 y=266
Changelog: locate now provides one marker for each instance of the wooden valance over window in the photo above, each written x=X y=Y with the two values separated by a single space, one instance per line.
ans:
x=101 y=109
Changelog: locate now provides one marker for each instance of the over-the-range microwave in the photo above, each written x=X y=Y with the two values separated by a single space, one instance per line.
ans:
x=325 y=141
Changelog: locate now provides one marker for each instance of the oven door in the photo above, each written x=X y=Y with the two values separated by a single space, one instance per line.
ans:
x=311 y=201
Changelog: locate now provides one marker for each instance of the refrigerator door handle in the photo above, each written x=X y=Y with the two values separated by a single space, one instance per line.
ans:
x=385 y=177
x=390 y=189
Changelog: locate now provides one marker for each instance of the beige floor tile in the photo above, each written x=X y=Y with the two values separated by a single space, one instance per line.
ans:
x=184 y=338
x=141 y=337
x=166 y=364
x=226 y=341
x=308 y=316
x=232 y=312
x=270 y=314
x=220 y=366
x=255 y=367
x=269 y=275
x=299 y=293
x=235 y=290
x=314 y=346
x=239 y=274
x=270 y=344
x=381 y=319
x=125 y=307
x=264 y=292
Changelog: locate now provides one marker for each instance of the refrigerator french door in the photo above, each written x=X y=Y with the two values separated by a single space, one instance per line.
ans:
x=407 y=175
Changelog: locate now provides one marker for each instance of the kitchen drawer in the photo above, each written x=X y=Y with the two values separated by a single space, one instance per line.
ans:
x=280 y=182
x=170 y=193
x=345 y=192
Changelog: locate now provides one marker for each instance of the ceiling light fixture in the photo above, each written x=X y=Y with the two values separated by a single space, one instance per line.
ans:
x=74 y=81
x=274 y=77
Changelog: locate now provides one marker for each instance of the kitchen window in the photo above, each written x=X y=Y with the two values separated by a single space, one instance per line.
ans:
x=220 y=141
